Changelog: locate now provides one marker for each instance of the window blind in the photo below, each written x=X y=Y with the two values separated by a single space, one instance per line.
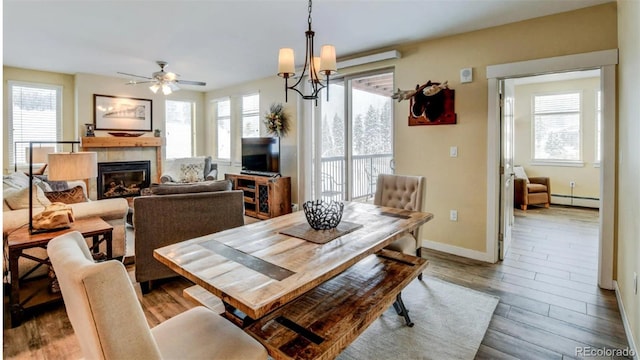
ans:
x=556 y=129
x=35 y=114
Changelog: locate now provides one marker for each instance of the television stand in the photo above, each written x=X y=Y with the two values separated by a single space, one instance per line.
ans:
x=264 y=197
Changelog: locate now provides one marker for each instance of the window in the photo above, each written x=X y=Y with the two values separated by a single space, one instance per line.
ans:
x=223 y=116
x=35 y=114
x=178 y=122
x=251 y=115
x=556 y=127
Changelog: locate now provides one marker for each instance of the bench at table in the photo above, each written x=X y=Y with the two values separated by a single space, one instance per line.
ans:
x=325 y=320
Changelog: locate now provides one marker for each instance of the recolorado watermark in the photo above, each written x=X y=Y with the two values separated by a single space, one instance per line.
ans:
x=588 y=351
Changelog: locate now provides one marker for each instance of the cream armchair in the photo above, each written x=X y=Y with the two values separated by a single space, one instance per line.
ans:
x=402 y=192
x=110 y=324
x=188 y=170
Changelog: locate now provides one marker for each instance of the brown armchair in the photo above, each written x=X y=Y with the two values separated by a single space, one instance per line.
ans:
x=531 y=191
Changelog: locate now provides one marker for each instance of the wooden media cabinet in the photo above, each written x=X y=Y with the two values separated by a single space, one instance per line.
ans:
x=264 y=197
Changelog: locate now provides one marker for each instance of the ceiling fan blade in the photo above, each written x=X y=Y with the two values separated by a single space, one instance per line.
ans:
x=173 y=86
x=140 y=76
x=133 y=82
x=187 y=82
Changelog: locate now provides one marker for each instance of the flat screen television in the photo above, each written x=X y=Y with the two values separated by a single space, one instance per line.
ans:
x=261 y=154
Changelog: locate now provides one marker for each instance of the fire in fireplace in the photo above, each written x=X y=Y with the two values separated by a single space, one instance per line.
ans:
x=123 y=178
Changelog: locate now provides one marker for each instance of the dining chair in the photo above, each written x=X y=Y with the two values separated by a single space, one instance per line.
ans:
x=402 y=192
x=110 y=324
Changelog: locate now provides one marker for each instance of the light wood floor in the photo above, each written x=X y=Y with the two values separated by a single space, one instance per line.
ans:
x=549 y=301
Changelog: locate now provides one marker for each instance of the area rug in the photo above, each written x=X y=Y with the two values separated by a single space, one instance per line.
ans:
x=450 y=323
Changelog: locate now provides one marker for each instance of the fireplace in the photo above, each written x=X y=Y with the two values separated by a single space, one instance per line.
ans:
x=122 y=179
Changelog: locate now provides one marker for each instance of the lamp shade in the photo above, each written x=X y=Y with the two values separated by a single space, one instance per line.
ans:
x=39 y=154
x=73 y=166
x=328 y=59
x=286 y=65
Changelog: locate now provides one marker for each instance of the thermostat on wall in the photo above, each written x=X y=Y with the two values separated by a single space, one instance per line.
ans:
x=466 y=75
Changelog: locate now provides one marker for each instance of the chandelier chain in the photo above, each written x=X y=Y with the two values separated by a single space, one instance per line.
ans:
x=309 y=19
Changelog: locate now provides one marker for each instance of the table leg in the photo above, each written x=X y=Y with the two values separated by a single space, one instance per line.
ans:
x=108 y=237
x=402 y=310
x=95 y=248
x=14 y=296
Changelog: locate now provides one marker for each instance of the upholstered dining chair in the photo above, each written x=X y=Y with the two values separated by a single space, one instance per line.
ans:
x=402 y=192
x=110 y=323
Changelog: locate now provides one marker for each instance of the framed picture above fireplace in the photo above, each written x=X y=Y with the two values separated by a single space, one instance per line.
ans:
x=122 y=113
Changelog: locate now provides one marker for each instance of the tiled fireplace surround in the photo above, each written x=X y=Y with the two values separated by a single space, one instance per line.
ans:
x=108 y=150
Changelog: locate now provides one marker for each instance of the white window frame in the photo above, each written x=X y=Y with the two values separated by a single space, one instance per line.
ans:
x=192 y=130
x=10 y=136
x=551 y=162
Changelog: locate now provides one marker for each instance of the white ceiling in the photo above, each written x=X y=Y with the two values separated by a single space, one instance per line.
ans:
x=226 y=42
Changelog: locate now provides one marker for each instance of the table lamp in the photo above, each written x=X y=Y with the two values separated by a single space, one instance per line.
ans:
x=63 y=166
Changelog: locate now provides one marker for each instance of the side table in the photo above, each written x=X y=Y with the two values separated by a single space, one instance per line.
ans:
x=35 y=291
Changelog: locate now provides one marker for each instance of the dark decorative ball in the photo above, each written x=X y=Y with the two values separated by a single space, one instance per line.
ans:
x=323 y=215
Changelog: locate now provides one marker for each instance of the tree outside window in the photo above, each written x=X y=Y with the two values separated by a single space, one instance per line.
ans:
x=556 y=127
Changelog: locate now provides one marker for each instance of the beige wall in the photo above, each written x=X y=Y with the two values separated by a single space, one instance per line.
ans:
x=42 y=77
x=629 y=161
x=587 y=177
x=460 y=183
x=271 y=91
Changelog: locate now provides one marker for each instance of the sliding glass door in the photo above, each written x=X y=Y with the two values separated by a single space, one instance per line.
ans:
x=353 y=137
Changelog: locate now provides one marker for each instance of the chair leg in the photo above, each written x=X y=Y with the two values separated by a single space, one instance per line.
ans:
x=547 y=205
x=523 y=207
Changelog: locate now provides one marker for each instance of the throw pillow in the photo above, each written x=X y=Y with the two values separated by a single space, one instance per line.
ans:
x=191 y=173
x=520 y=173
x=70 y=196
x=20 y=199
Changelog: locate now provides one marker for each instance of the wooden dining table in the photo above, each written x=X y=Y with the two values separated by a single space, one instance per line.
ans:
x=267 y=272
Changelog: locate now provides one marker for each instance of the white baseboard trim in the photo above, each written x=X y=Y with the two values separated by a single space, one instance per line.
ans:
x=625 y=322
x=456 y=250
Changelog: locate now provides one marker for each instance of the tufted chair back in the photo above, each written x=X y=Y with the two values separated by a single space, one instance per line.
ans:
x=400 y=191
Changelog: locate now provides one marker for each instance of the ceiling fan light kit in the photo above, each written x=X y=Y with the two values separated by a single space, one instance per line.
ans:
x=162 y=80
x=315 y=66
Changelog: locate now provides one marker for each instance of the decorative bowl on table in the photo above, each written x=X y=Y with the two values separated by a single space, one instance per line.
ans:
x=323 y=215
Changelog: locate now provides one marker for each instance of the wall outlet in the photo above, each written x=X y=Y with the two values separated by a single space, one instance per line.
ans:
x=572 y=184
x=453 y=215
x=635 y=283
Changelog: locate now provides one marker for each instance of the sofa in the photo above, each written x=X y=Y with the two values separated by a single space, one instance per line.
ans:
x=16 y=211
x=170 y=213
x=189 y=170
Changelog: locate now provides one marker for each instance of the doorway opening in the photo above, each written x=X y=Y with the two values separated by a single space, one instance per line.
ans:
x=500 y=168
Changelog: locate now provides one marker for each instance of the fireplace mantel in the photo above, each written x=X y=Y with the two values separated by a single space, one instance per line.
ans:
x=124 y=142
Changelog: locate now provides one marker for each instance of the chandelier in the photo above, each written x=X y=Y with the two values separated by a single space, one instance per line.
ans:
x=316 y=66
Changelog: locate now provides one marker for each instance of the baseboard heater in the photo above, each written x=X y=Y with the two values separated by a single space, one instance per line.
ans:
x=576 y=197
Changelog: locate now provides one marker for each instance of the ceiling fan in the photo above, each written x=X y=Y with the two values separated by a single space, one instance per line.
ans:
x=167 y=81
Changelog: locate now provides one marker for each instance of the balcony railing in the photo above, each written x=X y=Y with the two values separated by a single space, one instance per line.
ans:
x=365 y=170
